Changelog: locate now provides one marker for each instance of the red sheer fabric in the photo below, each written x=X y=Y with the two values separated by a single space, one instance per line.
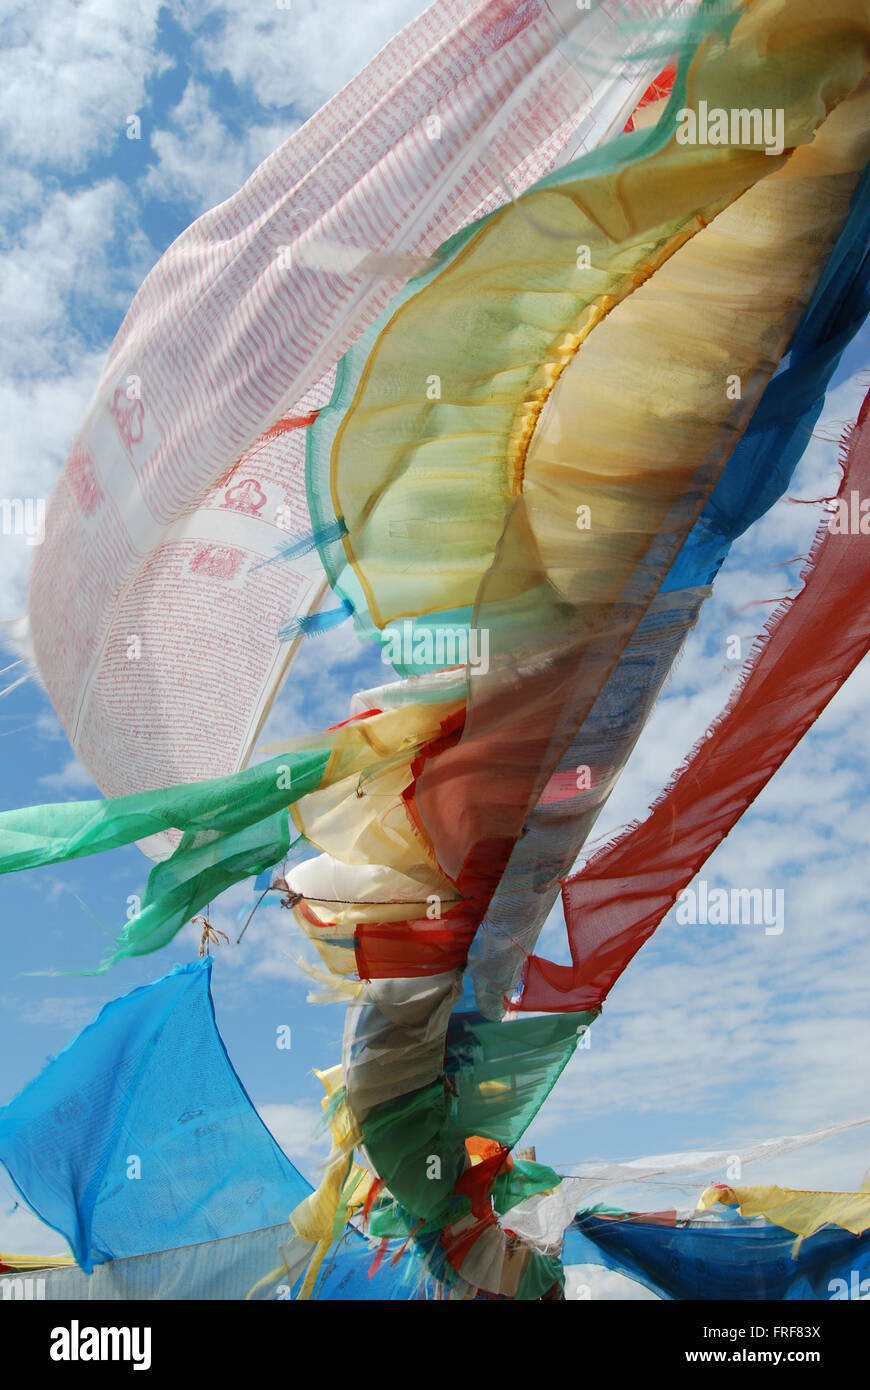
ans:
x=809 y=648
x=660 y=87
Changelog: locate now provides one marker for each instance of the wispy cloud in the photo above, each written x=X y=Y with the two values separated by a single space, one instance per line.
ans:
x=199 y=161
x=72 y=777
x=294 y=52
x=74 y=73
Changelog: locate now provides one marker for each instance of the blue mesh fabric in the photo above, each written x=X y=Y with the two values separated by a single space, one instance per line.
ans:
x=149 y=1080
x=733 y=1260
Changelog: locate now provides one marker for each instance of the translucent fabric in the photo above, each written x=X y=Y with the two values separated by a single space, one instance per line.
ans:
x=570 y=803
x=550 y=607
x=233 y=827
x=232 y=1267
x=808 y=649
x=236 y=826
x=764 y=461
x=140 y=1137
x=496 y=1078
x=757 y=473
x=718 y=1260
x=800 y=1212
x=656 y=437
x=187 y=472
x=543 y=1219
x=37 y=835
x=513 y=457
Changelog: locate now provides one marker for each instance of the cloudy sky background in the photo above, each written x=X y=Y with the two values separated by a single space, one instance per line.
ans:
x=716 y=1036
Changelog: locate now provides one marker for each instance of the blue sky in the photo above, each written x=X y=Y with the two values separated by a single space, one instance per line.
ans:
x=716 y=1036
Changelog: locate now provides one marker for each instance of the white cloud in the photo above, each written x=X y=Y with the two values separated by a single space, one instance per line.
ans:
x=199 y=162
x=584 y=1282
x=299 y=1130
x=20 y=192
x=63 y=271
x=22 y=1233
x=49 y=727
x=56 y=1011
x=326 y=672
x=300 y=53
x=73 y=73
x=62 y=277
x=72 y=777
x=40 y=419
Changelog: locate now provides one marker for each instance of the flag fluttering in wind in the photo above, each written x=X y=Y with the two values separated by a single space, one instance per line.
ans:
x=508 y=411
